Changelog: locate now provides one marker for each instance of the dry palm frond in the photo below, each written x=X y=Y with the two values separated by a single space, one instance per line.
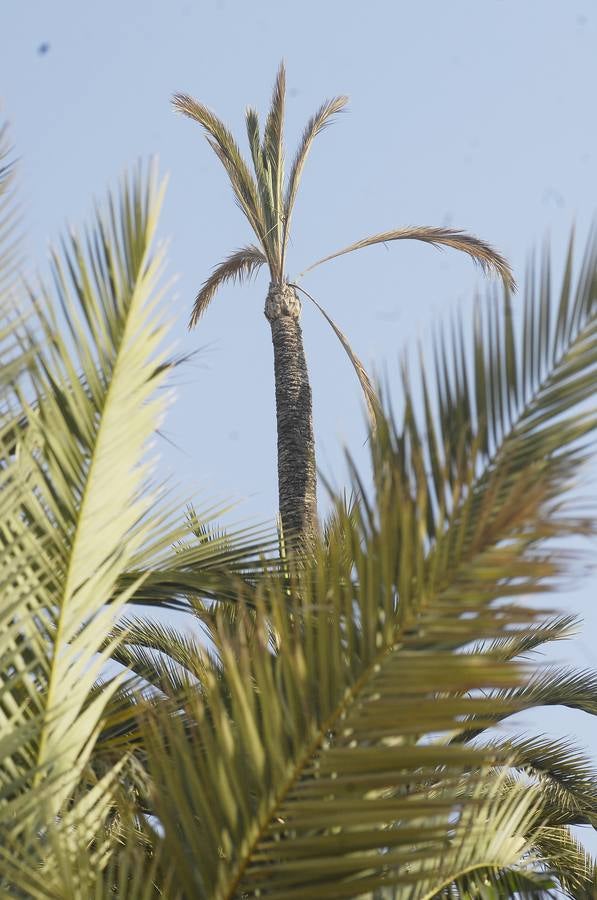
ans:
x=314 y=126
x=371 y=398
x=481 y=252
x=239 y=266
x=222 y=142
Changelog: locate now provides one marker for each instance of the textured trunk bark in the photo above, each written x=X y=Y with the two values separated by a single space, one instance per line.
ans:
x=296 y=446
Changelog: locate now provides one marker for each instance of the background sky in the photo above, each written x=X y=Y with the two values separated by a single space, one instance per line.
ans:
x=478 y=115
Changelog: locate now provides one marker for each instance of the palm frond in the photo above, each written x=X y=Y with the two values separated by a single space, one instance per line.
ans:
x=550 y=686
x=481 y=252
x=10 y=239
x=263 y=179
x=508 y=415
x=489 y=846
x=222 y=142
x=566 y=777
x=371 y=398
x=310 y=765
x=78 y=514
x=317 y=748
x=273 y=154
x=314 y=126
x=565 y=856
x=239 y=266
x=557 y=628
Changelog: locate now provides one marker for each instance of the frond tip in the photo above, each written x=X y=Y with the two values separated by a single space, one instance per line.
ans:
x=314 y=126
x=371 y=398
x=481 y=252
x=226 y=149
x=240 y=265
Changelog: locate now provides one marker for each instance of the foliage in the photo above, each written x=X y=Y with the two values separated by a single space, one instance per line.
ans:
x=267 y=198
x=342 y=731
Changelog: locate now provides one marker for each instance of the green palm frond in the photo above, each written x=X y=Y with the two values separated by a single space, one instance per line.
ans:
x=79 y=509
x=322 y=743
x=567 y=778
x=480 y=251
x=263 y=178
x=317 y=748
x=239 y=266
x=310 y=766
x=550 y=686
x=556 y=628
x=15 y=349
x=489 y=846
x=62 y=859
x=509 y=417
x=145 y=646
x=562 y=686
x=565 y=855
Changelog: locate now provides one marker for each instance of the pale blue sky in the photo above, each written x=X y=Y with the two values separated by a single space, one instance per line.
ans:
x=474 y=113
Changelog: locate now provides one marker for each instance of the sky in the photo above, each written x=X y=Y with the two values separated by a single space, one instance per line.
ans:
x=479 y=115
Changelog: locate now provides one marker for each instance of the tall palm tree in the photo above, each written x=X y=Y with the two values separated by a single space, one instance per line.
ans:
x=267 y=200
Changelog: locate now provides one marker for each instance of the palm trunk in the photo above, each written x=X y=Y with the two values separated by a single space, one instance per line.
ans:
x=296 y=446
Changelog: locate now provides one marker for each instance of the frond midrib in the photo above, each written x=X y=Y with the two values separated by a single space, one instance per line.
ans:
x=112 y=386
x=349 y=697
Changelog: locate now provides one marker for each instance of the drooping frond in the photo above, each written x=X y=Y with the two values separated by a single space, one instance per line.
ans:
x=239 y=266
x=508 y=414
x=222 y=142
x=481 y=252
x=566 y=776
x=558 y=628
x=371 y=398
x=564 y=855
x=314 y=126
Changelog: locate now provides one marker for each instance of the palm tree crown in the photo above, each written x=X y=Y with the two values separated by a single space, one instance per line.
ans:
x=267 y=198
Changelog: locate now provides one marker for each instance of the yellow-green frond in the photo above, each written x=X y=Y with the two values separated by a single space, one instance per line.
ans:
x=77 y=517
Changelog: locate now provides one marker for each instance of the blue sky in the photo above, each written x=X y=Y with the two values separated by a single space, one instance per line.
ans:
x=472 y=114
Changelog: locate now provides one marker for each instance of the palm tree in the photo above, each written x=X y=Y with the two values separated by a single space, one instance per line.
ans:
x=267 y=200
x=83 y=534
x=340 y=734
x=337 y=750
